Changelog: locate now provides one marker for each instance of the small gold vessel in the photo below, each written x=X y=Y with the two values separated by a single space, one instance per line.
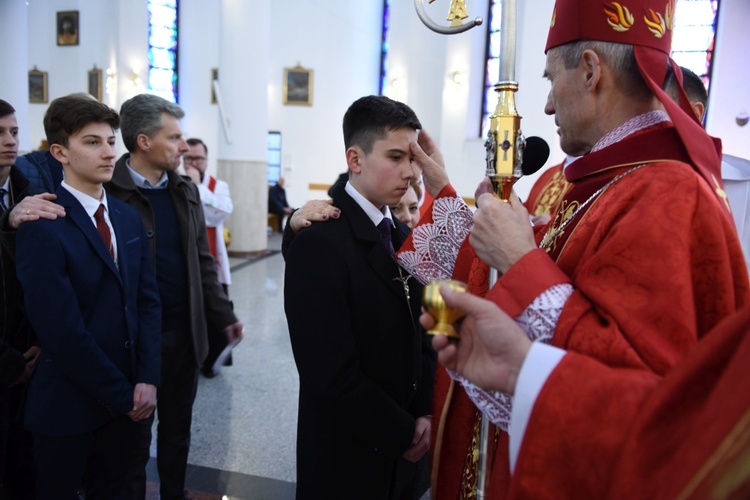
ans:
x=435 y=305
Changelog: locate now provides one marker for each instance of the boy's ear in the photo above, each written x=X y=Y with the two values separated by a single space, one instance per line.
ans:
x=354 y=156
x=60 y=153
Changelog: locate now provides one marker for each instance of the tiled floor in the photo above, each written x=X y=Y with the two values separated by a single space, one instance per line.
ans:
x=244 y=419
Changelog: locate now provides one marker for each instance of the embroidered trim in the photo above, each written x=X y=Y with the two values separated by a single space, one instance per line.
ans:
x=553 y=232
x=538 y=321
x=436 y=245
x=631 y=126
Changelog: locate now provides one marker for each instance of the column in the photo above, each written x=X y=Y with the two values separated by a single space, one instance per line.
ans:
x=244 y=44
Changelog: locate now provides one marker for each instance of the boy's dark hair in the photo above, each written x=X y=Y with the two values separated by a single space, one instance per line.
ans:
x=194 y=142
x=370 y=118
x=69 y=114
x=6 y=109
x=692 y=83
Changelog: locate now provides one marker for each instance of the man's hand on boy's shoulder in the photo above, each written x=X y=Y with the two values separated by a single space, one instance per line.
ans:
x=313 y=211
x=35 y=207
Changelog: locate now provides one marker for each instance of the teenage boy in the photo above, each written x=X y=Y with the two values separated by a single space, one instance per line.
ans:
x=364 y=366
x=91 y=297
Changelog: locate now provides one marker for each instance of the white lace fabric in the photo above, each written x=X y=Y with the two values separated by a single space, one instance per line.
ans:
x=538 y=321
x=436 y=244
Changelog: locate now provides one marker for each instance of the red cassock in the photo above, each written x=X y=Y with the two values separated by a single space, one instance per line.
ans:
x=633 y=434
x=655 y=263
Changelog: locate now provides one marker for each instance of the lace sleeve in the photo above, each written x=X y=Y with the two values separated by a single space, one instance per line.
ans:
x=436 y=243
x=538 y=321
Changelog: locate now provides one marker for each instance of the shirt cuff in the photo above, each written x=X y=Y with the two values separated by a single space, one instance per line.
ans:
x=541 y=360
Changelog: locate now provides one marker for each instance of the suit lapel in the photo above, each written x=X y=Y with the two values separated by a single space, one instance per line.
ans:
x=76 y=213
x=121 y=237
x=365 y=232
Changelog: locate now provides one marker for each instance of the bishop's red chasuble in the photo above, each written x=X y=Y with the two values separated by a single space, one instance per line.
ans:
x=655 y=263
x=633 y=434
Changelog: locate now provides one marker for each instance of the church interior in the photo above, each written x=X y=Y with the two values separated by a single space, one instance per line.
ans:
x=265 y=85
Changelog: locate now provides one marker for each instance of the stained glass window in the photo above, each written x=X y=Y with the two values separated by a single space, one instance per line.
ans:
x=162 y=48
x=385 y=45
x=694 y=35
x=273 y=151
x=692 y=45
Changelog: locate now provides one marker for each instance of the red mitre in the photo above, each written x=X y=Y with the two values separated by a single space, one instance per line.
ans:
x=647 y=26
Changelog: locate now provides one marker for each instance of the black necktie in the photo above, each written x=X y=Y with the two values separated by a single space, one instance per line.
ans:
x=3 y=206
x=385 y=234
x=103 y=228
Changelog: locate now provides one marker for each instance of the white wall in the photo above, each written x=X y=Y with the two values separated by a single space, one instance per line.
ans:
x=340 y=41
x=730 y=82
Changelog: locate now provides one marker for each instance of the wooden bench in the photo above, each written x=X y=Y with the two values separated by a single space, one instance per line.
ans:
x=274 y=222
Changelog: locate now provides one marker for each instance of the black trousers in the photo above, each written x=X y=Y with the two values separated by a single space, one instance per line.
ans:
x=174 y=408
x=96 y=459
x=17 y=468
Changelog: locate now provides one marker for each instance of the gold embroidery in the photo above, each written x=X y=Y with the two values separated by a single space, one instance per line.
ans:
x=620 y=19
x=721 y=193
x=550 y=196
x=554 y=17
x=656 y=25
x=567 y=211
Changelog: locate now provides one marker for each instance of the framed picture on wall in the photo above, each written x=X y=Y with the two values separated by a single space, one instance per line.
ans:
x=67 y=27
x=95 y=83
x=214 y=76
x=298 y=86
x=37 y=86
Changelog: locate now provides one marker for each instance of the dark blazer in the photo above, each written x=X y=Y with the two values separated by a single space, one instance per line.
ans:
x=98 y=324
x=207 y=301
x=277 y=200
x=365 y=367
x=16 y=335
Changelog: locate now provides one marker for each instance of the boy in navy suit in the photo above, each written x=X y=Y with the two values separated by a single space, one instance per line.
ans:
x=365 y=368
x=91 y=297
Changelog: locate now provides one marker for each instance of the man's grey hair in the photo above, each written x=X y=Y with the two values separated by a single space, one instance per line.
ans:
x=142 y=115
x=618 y=56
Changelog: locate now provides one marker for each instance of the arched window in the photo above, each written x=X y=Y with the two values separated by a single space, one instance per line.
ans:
x=694 y=35
x=385 y=45
x=162 y=48
x=692 y=45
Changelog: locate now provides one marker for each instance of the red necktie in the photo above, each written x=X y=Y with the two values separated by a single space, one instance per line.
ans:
x=103 y=228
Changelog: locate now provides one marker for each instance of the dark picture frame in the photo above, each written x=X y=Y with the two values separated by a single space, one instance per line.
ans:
x=95 y=83
x=298 y=86
x=214 y=77
x=37 y=86
x=67 y=27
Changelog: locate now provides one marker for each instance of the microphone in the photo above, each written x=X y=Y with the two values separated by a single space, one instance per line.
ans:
x=535 y=155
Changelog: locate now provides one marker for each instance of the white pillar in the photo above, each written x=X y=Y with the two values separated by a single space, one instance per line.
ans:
x=14 y=64
x=244 y=46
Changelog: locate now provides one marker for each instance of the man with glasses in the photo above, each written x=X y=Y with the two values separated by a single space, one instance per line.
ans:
x=217 y=205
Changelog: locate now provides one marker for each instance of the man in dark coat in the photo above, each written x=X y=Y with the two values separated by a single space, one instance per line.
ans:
x=191 y=295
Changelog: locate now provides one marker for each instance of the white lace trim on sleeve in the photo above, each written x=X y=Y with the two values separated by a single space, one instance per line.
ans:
x=436 y=244
x=538 y=321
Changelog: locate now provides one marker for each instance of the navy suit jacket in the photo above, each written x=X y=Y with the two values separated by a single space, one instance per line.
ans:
x=99 y=324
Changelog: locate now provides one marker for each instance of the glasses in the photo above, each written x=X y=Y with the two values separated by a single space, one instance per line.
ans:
x=194 y=159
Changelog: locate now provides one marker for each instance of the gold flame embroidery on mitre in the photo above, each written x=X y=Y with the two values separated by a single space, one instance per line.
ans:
x=656 y=25
x=619 y=19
